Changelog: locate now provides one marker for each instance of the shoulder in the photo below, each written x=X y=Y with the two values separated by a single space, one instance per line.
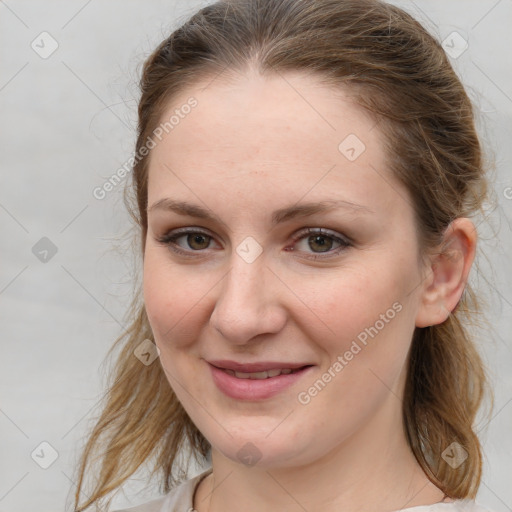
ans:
x=179 y=499
x=468 y=505
x=461 y=505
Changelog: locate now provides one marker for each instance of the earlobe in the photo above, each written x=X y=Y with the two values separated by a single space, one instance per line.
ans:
x=448 y=273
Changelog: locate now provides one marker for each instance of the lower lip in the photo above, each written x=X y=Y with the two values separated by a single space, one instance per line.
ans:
x=254 y=389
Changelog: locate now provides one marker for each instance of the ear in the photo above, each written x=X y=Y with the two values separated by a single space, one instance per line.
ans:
x=448 y=273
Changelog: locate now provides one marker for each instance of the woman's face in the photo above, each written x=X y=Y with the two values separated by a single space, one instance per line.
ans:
x=243 y=285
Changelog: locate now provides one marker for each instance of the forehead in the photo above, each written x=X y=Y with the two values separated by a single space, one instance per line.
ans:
x=291 y=130
x=259 y=113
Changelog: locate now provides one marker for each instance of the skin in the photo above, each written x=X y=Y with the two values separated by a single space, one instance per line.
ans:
x=253 y=145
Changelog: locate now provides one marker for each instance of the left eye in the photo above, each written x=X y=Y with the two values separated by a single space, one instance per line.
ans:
x=323 y=240
x=318 y=240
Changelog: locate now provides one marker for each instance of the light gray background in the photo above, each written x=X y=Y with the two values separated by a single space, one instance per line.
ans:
x=67 y=123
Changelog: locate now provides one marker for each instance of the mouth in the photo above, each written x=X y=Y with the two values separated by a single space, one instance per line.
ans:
x=265 y=374
x=256 y=381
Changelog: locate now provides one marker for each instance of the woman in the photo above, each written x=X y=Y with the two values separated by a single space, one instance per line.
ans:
x=304 y=175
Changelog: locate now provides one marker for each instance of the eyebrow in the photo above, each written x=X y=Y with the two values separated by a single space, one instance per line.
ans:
x=278 y=216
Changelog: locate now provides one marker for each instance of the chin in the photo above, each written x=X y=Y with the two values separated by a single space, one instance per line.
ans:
x=258 y=448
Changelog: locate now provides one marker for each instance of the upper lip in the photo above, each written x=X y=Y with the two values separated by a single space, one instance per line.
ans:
x=255 y=367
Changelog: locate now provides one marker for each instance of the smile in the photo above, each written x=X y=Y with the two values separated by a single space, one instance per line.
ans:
x=260 y=375
x=256 y=385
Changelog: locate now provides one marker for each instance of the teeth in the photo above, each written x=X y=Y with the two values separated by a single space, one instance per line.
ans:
x=259 y=375
x=254 y=375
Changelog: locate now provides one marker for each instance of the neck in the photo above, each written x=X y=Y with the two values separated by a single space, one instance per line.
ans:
x=367 y=472
x=275 y=490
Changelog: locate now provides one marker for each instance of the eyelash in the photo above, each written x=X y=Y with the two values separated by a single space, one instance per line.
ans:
x=169 y=240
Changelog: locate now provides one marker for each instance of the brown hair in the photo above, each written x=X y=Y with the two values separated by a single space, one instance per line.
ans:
x=399 y=73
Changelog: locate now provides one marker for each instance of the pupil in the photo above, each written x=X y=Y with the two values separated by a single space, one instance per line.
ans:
x=196 y=239
x=320 y=240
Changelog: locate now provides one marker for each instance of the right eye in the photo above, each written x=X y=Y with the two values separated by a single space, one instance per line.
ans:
x=195 y=241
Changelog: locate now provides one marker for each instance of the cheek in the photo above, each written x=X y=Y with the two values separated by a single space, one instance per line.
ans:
x=368 y=312
x=353 y=300
x=173 y=302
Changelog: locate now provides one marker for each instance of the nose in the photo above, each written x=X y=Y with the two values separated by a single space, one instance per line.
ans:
x=248 y=302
